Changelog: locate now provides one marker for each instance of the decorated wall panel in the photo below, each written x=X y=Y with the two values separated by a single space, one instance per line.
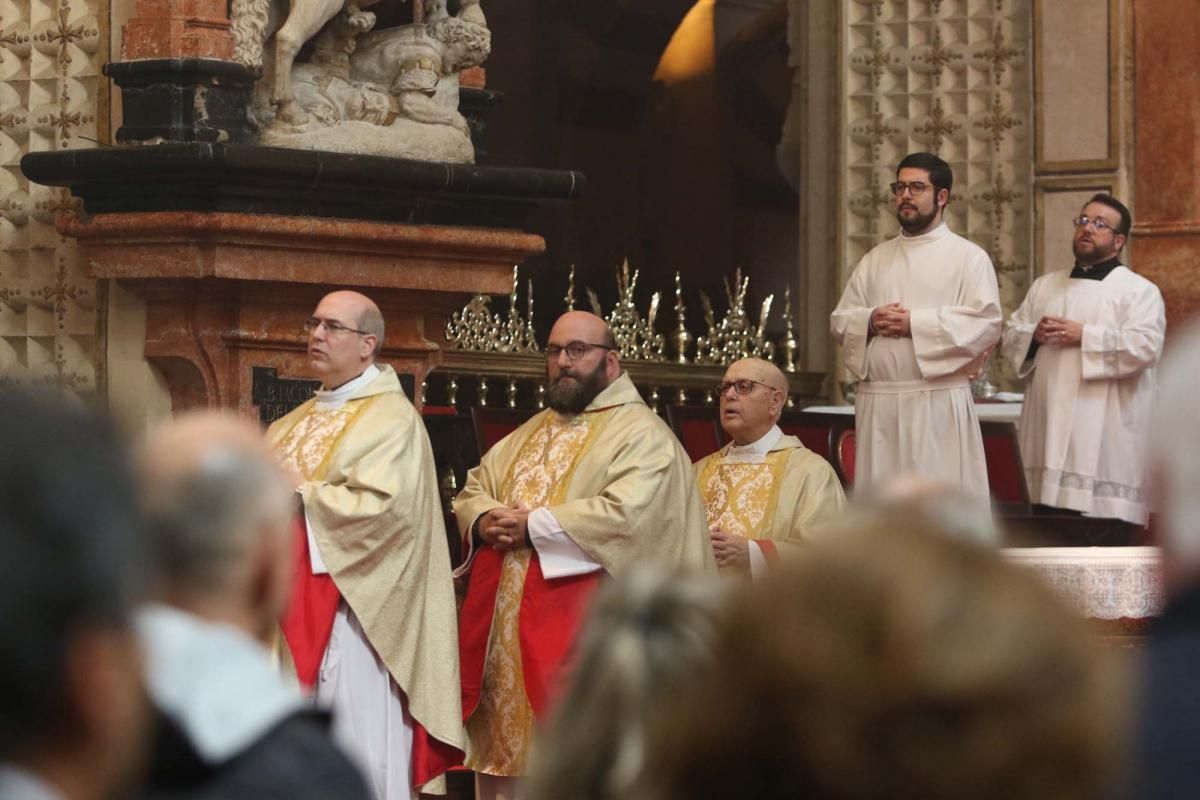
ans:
x=52 y=97
x=951 y=77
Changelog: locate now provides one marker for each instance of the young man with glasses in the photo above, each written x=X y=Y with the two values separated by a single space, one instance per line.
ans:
x=589 y=487
x=1086 y=340
x=764 y=493
x=916 y=323
x=370 y=626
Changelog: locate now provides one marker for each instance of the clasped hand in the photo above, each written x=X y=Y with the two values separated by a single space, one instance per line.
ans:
x=1058 y=331
x=892 y=320
x=729 y=549
x=505 y=528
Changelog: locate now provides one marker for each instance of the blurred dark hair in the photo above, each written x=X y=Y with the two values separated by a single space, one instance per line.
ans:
x=1117 y=206
x=70 y=552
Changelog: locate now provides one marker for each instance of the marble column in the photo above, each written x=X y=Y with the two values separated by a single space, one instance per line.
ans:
x=1167 y=156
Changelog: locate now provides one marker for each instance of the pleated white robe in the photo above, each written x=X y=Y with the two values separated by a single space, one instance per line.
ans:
x=1087 y=408
x=914 y=411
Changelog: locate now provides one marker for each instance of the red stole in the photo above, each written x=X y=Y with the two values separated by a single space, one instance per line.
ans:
x=307 y=624
x=548 y=622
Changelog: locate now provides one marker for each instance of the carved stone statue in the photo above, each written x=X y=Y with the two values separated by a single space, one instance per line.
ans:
x=391 y=92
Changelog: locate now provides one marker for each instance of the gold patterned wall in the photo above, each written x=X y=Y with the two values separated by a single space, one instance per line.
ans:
x=952 y=77
x=51 y=96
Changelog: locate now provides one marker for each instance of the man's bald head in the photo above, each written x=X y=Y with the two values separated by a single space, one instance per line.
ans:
x=582 y=326
x=572 y=383
x=215 y=498
x=747 y=417
x=346 y=336
x=366 y=314
x=760 y=370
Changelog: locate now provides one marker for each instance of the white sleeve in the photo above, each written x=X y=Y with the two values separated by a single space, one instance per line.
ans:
x=560 y=556
x=1128 y=346
x=758 y=561
x=314 y=553
x=850 y=323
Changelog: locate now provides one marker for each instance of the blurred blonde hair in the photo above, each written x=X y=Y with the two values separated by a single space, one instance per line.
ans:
x=649 y=634
x=896 y=662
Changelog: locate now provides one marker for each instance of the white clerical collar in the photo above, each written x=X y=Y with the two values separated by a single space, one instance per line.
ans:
x=755 y=452
x=20 y=784
x=330 y=399
x=215 y=681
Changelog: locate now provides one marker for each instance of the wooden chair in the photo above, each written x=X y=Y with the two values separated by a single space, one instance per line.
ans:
x=1006 y=471
x=698 y=428
x=830 y=436
x=493 y=424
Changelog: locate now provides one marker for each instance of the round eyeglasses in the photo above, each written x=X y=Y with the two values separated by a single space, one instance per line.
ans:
x=915 y=188
x=574 y=350
x=1096 y=224
x=742 y=386
x=331 y=327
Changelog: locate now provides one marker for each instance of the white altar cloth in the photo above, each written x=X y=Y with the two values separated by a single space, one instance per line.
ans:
x=1101 y=582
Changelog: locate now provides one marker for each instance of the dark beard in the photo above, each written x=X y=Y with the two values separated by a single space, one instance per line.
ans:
x=1097 y=255
x=573 y=398
x=918 y=223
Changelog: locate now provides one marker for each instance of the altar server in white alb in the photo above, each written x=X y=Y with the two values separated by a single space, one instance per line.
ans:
x=917 y=321
x=1086 y=341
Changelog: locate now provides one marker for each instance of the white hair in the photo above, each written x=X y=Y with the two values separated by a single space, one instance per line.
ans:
x=204 y=519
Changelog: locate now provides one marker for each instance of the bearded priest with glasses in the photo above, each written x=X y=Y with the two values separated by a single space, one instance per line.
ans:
x=916 y=323
x=1086 y=340
x=764 y=493
x=587 y=488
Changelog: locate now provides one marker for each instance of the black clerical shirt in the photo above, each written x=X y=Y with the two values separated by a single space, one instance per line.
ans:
x=1096 y=272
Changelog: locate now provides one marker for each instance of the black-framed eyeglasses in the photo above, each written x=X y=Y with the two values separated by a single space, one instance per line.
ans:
x=1096 y=224
x=574 y=350
x=742 y=386
x=916 y=188
x=331 y=327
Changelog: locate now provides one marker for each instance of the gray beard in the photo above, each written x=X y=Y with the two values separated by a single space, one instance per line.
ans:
x=573 y=398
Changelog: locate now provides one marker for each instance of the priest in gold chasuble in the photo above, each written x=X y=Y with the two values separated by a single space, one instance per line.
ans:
x=764 y=493
x=593 y=484
x=371 y=626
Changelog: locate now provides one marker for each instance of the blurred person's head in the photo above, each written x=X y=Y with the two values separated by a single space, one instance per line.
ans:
x=74 y=713
x=937 y=505
x=647 y=634
x=902 y=663
x=345 y=336
x=218 y=510
x=752 y=395
x=582 y=359
x=1174 y=462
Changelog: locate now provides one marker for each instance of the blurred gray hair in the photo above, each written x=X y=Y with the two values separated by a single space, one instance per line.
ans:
x=648 y=633
x=941 y=506
x=204 y=519
x=1175 y=451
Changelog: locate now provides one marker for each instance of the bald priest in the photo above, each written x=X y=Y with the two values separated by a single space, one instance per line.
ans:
x=586 y=488
x=764 y=492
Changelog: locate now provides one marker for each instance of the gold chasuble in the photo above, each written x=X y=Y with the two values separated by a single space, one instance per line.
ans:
x=371 y=500
x=779 y=499
x=616 y=480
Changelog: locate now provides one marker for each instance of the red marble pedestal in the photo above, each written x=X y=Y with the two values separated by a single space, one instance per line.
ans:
x=1166 y=229
x=228 y=292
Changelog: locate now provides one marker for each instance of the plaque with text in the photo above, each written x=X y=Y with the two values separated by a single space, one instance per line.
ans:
x=276 y=396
